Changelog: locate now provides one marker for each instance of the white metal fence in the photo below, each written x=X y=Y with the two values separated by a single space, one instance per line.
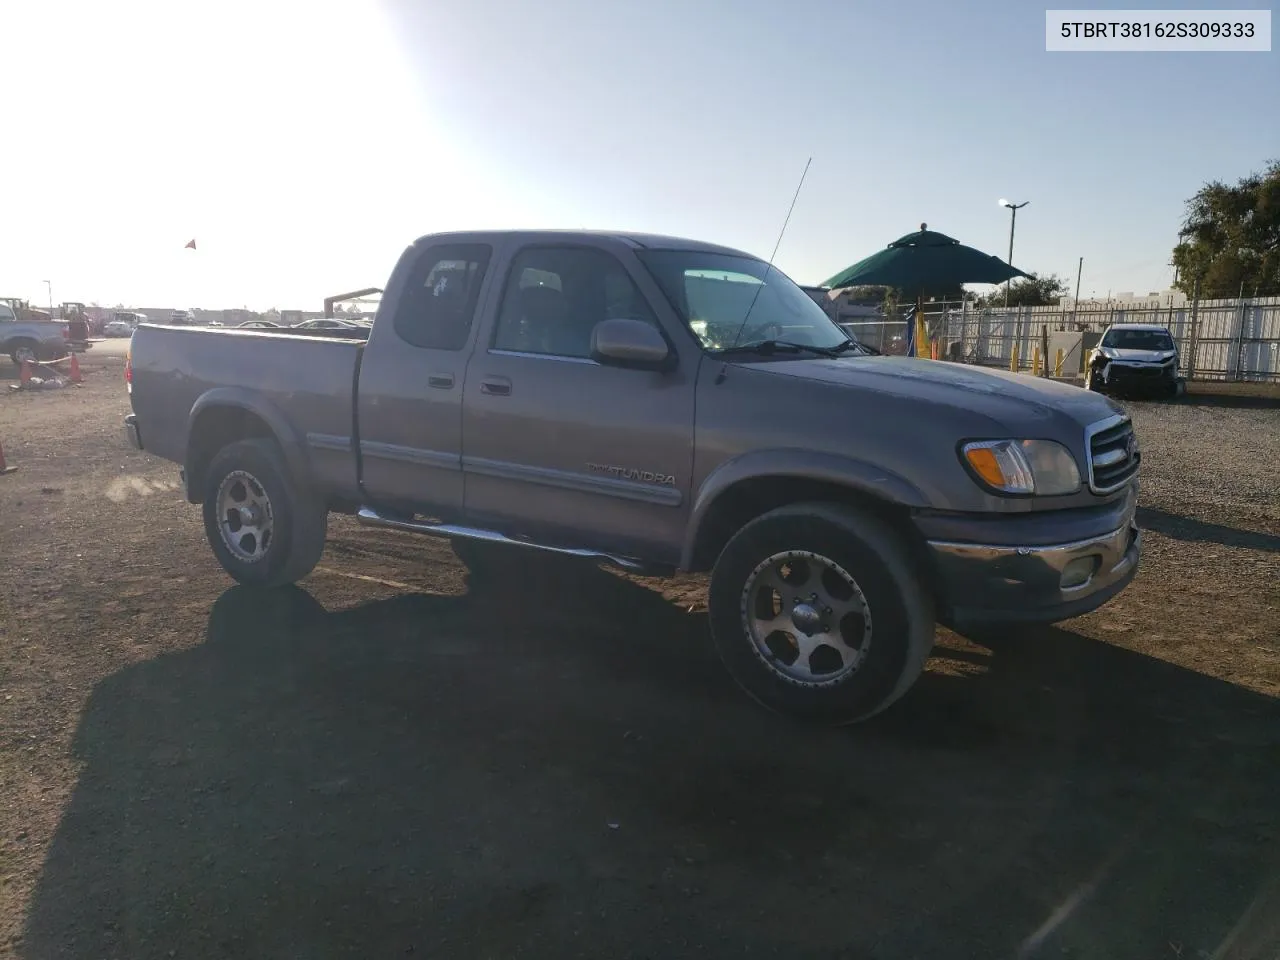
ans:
x=1217 y=339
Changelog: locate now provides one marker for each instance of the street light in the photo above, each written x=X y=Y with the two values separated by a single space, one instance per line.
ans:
x=50 y=286
x=1013 y=222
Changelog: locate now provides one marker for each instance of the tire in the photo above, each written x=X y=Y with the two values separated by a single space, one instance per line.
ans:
x=881 y=643
x=20 y=350
x=265 y=528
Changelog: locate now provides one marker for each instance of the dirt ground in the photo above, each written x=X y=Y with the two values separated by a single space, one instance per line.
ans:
x=394 y=761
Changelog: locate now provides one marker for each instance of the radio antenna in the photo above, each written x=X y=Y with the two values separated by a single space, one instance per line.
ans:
x=765 y=279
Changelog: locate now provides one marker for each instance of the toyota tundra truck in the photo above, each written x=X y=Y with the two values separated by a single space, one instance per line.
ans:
x=664 y=405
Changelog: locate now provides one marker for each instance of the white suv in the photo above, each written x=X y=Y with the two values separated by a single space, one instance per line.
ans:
x=1138 y=357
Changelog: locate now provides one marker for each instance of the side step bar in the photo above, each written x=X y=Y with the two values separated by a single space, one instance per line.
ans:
x=369 y=517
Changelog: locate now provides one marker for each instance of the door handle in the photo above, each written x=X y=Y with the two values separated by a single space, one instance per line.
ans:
x=441 y=381
x=496 y=386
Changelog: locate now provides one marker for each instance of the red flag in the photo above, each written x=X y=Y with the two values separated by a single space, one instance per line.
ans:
x=191 y=245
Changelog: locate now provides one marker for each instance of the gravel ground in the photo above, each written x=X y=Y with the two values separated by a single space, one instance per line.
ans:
x=1212 y=459
x=396 y=760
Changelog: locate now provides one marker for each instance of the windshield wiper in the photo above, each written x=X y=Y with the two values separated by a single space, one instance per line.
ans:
x=840 y=348
x=766 y=348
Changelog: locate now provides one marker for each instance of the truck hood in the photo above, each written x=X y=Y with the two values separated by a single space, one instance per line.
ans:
x=1136 y=356
x=1016 y=400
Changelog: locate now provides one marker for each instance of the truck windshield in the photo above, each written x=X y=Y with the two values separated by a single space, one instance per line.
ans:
x=1138 y=340
x=732 y=301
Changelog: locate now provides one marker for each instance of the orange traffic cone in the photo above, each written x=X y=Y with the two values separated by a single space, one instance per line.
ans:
x=3 y=467
x=76 y=375
x=28 y=371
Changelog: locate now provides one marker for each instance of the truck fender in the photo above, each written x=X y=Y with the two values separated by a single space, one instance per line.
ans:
x=251 y=402
x=857 y=475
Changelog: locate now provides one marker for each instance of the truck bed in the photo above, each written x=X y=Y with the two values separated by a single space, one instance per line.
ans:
x=308 y=381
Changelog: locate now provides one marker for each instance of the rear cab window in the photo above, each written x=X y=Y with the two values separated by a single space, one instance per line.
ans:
x=438 y=305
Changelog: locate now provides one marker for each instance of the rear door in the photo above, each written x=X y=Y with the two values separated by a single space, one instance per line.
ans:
x=409 y=402
x=559 y=447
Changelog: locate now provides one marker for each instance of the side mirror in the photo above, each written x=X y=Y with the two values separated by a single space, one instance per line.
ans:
x=634 y=344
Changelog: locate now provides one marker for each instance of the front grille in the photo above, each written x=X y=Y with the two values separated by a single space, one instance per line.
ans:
x=1138 y=373
x=1113 y=454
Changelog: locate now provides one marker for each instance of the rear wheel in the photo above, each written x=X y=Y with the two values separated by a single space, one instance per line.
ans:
x=265 y=528
x=21 y=351
x=816 y=611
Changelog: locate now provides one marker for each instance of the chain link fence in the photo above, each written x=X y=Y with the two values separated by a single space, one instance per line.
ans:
x=1237 y=339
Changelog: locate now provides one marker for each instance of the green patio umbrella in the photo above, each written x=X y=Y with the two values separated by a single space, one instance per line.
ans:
x=925 y=262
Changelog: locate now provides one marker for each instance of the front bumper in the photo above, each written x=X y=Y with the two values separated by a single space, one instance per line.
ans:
x=994 y=583
x=1121 y=374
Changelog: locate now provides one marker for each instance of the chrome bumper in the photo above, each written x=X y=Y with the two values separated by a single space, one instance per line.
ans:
x=987 y=583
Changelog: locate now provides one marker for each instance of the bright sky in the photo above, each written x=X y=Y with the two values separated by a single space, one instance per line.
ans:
x=304 y=144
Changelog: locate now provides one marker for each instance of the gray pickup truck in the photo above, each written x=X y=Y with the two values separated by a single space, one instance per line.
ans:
x=665 y=405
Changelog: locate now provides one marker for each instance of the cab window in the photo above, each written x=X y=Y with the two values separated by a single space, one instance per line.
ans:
x=555 y=296
x=439 y=302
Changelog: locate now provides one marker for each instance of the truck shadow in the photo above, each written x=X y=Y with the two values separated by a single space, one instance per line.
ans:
x=1268 y=400
x=1191 y=529
x=568 y=772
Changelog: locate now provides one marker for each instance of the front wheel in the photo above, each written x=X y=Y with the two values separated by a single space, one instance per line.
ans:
x=265 y=528
x=817 y=611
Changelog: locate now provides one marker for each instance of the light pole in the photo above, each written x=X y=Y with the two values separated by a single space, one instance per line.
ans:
x=1013 y=222
x=50 y=286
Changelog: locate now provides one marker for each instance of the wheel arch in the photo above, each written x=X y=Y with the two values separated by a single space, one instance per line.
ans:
x=742 y=489
x=226 y=414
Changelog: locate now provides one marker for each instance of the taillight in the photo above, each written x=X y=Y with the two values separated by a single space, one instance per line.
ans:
x=66 y=332
x=128 y=368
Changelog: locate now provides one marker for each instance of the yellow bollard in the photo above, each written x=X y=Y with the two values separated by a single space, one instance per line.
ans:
x=1013 y=359
x=1057 y=364
x=1035 y=361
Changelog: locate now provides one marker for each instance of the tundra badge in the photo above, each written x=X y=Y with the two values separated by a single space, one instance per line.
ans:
x=630 y=473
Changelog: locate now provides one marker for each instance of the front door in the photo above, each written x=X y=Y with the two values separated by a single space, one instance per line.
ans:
x=410 y=391
x=558 y=447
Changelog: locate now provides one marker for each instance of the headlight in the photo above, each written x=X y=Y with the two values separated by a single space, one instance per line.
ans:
x=1025 y=467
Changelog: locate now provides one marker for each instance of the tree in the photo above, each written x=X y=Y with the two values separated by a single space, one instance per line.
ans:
x=865 y=296
x=1230 y=238
x=1032 y=291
